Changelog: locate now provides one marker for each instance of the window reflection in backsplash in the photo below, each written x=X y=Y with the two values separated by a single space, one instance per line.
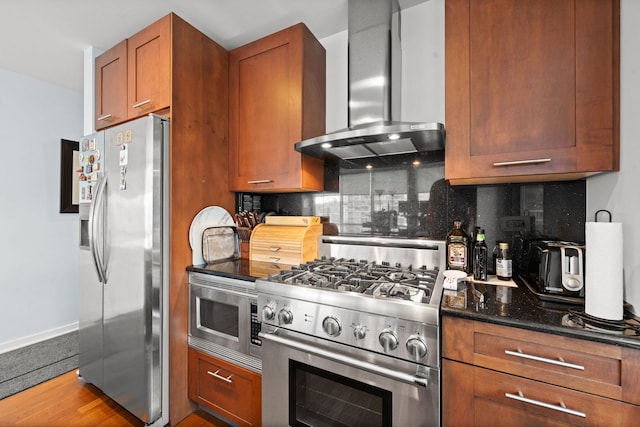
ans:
x=415 y=201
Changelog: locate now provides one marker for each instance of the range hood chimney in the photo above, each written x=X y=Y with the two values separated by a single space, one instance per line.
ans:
x=375 y=70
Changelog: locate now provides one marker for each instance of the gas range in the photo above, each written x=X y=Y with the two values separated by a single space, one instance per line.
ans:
x=372 y=293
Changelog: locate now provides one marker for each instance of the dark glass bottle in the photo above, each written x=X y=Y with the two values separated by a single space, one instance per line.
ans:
x=458 y=248
x=504 y=264
x=474 y=236
x=480 y=257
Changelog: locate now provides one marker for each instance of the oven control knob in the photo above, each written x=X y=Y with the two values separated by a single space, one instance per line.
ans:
x=416 y=347
x=285 y=317
x=331 y=325
x=268 y=312
x=359 y=332
x=388 y=341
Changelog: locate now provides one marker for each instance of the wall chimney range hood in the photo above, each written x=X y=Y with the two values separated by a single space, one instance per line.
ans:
x=374 y=74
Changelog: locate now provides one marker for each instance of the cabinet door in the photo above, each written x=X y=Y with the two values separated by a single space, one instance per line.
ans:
x=111 y=86
x=475 y=396
x=276 y=98
x=530 y=89
x=227 y=389
x=149 y=65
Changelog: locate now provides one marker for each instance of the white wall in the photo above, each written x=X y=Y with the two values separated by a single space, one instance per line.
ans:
x=38 y=245
x=618 y=191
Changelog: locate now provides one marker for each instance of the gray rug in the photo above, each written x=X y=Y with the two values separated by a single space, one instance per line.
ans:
x=28 y=366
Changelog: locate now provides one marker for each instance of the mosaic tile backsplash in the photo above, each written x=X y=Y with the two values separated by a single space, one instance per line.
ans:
x=415 y=201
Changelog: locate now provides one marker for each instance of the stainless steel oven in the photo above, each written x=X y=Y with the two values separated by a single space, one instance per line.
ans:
x=352 y=338
x=223 y=319
x=315 y=384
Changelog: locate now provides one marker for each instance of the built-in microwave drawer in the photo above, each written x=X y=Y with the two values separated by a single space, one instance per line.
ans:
x=223 y=318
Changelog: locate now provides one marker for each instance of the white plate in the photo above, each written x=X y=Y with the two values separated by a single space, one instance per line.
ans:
x=212 y=216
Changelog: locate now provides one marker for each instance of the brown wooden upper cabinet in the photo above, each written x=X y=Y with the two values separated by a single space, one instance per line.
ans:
x=134 y=77
x=111 y=86
x=532 y=89
x=276 y=98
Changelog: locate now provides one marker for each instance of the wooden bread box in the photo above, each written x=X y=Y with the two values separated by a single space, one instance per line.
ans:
x=283 y=243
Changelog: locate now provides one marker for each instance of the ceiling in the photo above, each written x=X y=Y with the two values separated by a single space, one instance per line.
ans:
x=46 y=39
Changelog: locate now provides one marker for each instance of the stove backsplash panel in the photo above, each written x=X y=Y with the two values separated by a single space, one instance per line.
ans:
x=415 y=201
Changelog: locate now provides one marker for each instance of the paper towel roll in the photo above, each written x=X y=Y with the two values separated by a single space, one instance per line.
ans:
x=603 y=293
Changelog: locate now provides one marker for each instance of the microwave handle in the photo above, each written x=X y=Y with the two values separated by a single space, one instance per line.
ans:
x=340 y=358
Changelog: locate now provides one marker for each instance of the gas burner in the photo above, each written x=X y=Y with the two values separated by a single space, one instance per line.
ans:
x=401 y=276
x=390 y=290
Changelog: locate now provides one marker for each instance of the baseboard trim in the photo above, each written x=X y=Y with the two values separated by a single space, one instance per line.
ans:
x=36 y=338
x=33 y=364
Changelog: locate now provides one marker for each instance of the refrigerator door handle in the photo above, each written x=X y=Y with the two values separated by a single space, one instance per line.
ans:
x=94 y=236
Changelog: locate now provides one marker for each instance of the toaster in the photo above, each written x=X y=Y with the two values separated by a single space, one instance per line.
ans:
x=557 y=267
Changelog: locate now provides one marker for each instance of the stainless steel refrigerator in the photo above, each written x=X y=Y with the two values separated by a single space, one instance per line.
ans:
x=124 y=275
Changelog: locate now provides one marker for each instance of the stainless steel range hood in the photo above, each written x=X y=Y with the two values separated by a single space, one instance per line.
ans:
x=374 y=93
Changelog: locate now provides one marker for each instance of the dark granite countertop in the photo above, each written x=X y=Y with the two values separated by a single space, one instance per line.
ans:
x=509 y=306
x=240 y=268
x=519 y=307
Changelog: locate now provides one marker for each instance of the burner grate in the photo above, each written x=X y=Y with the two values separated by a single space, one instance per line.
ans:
x=378 y=280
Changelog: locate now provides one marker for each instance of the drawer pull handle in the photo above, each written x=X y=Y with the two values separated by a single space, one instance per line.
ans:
x=560 y=362
x=274 y=258
x=220 y=377
x=142 y=103
x=274 y=249
x=521 y=162
x=105 y=117
x=259 y=181
x=561 y=407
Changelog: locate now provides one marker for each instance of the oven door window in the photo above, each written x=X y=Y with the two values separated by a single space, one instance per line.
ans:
x=218 y=317
x=319 y=398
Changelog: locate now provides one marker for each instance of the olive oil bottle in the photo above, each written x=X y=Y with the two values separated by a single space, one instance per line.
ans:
x=458 y=246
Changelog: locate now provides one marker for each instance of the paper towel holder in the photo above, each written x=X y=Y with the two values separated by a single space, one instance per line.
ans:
x=602 y=210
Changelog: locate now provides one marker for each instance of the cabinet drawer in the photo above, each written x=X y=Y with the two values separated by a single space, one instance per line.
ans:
x=281 y=257
x=227 y=389
x=545 y=400
x=583 y=365
x=498 y=399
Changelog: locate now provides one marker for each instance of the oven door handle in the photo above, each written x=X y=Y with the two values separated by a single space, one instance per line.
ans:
x=340 y=358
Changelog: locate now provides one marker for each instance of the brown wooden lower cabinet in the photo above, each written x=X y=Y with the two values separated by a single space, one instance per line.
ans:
x=486 y=381
x=474 y=396
x=226 y=389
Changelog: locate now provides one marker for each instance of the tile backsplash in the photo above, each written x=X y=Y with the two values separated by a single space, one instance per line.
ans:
x=415 y=201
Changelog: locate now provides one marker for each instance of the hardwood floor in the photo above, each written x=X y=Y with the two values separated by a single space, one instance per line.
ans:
x=66 y=401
